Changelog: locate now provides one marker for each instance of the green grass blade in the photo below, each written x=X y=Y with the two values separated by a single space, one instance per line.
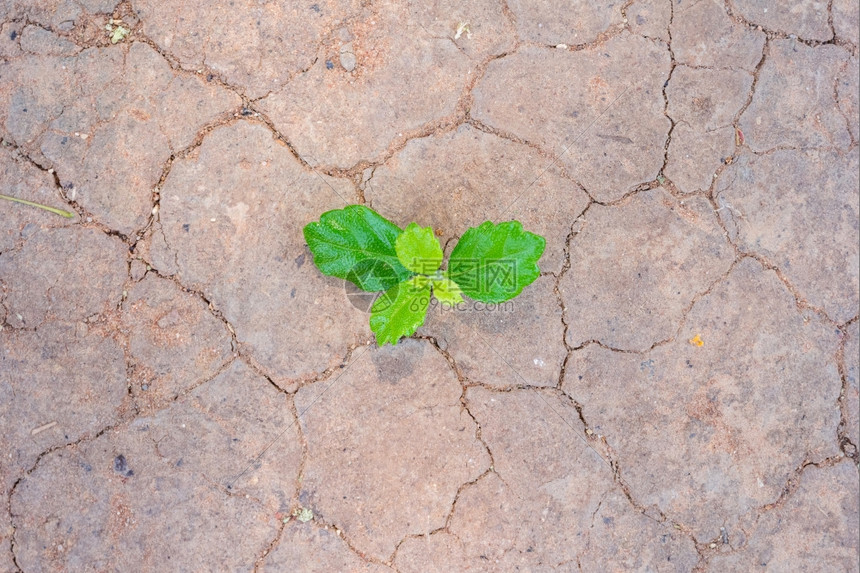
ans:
x=59 y=212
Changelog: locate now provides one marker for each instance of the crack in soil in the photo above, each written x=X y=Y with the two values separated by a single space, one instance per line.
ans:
x=780 y=35
x=673 y=65
x=849 y=448
x=82 y=440
x=460 y=116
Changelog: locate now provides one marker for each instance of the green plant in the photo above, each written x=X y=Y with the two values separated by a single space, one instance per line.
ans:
x=61 y=212
x=491 y=263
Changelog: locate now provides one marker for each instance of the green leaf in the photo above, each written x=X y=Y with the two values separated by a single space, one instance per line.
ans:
x=494 y=263
x=445 y=290
x=373 y=275
x=400 y=310
x=419 y=250
x=357 y=244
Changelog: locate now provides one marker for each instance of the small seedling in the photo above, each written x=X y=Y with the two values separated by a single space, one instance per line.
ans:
x=491 y=263
x=118 y=33
x=461 y=28
x=303 y=514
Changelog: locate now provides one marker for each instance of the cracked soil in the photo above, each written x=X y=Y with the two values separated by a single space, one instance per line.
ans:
x=182 y=390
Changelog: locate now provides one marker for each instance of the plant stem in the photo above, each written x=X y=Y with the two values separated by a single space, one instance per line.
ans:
x=59 y=212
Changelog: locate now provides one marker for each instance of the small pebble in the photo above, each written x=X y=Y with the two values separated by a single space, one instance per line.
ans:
x=120 y=465
x=348 y=61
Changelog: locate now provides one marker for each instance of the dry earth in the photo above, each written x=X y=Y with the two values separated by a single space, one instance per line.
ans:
x=182 y=390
